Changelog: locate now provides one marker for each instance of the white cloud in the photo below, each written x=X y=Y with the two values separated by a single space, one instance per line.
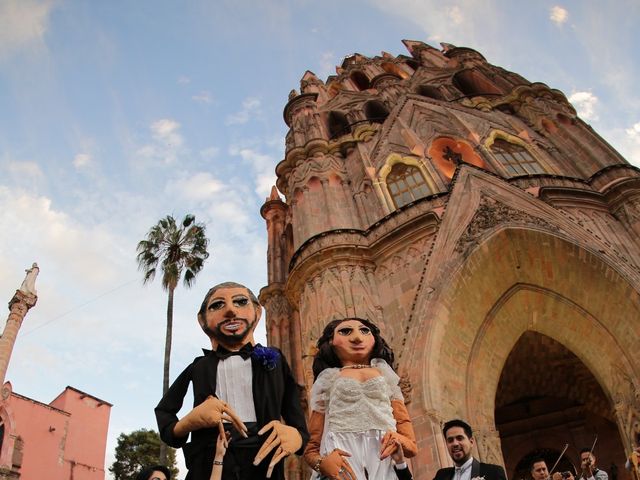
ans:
x=166 y=131
x=328 y=63
x=585 y=103
x=50 y=235
x=264 y=182
x=250 y=107
x=25 y=169
x=82 y=160
x=23 y=24
x=558 y=15
x=230 y=213
x=632 y=142
x=168 y=141
x=184 y=80
x=263 y=166
x=203 y=97
x=634 y=132
x=455 y=14
x=474 y=23
x=197 y=187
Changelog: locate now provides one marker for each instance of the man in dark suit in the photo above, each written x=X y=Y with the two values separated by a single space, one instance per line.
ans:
x=238 y=384
x=460 y=441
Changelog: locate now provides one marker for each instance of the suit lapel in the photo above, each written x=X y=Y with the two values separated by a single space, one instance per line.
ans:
x=475 y=469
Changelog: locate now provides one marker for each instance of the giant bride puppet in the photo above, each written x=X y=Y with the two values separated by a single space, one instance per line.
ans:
x=358 y=417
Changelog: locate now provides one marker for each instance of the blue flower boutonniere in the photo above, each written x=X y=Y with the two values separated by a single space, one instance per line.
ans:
x=267 y=356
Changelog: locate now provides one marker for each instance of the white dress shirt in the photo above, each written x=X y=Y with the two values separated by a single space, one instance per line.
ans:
x=463 y=472
x=234 y=386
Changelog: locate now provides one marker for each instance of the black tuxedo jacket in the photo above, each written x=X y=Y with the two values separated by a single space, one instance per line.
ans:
x=486 y=470
x=275 y=396
x=404 y=474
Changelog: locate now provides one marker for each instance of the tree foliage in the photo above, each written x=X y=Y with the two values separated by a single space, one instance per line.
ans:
x=178 y=252
x=174 y=250
x=139 y=449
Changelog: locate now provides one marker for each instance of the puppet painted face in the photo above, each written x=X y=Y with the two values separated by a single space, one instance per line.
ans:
x=353 y=342
x=230 y=316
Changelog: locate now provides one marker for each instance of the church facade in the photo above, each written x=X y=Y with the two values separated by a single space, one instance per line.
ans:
x=491 y=234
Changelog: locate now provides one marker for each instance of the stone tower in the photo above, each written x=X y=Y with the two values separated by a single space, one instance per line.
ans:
x=491 y=234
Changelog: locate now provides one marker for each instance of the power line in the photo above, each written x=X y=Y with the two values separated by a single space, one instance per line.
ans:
x=77 y=307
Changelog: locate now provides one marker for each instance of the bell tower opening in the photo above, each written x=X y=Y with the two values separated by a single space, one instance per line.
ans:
x=546 y=398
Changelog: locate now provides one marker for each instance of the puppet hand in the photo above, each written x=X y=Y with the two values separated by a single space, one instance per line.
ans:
x=391 y=442
x=207 y=415
x=336 y=467
x=286 y=438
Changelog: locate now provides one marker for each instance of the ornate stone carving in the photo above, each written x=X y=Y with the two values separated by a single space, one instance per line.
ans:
x=626 y=404
x=319 y=165
x=488 y=442
x=491 y=213
x=338 y=292
x=406 y=387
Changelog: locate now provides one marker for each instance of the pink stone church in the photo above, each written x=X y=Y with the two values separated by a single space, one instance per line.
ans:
x=63 y=439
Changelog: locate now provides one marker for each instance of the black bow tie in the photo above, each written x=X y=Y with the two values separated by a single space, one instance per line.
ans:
x=223 y=353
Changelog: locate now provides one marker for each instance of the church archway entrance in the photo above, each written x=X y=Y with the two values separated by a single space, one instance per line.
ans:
x=547 y=398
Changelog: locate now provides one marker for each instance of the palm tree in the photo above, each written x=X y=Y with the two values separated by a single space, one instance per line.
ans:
x=174 y=250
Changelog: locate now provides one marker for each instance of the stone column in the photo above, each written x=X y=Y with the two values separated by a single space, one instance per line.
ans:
x=18 y=308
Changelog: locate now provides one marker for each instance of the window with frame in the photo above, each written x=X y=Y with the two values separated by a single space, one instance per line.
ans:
x=515 y=158
x=406 y=184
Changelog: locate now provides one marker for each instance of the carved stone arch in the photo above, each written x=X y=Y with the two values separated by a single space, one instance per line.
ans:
x=359 y=80
x=375 y=111
x=514 y=281
x=472 y=83
x=429 y=91
x=338 y=124
x=530 y=147
x=384 y=171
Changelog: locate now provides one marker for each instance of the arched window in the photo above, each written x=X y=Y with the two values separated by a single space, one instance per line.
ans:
x=338 y=124
x=406 y=184
x=470 y=83
x=360 y=80
x=515 y=158
x=375 y=111
x=429 y=91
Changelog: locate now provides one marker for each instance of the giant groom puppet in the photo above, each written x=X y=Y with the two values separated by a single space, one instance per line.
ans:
x=235 y=384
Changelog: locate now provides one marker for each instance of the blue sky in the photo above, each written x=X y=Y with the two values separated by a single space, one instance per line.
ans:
x=115 y=114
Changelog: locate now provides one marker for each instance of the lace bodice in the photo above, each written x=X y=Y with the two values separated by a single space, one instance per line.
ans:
x=354 y=406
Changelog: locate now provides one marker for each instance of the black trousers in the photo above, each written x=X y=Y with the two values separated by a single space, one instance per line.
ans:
x=238 y=461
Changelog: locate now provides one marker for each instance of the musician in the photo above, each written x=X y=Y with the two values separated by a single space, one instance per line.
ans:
x=539 y=471
x=588 y=465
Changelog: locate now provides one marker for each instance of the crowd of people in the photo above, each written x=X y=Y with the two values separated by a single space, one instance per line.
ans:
x=247 y=417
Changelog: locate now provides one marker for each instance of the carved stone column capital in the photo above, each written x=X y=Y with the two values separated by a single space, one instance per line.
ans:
x=22 y=302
